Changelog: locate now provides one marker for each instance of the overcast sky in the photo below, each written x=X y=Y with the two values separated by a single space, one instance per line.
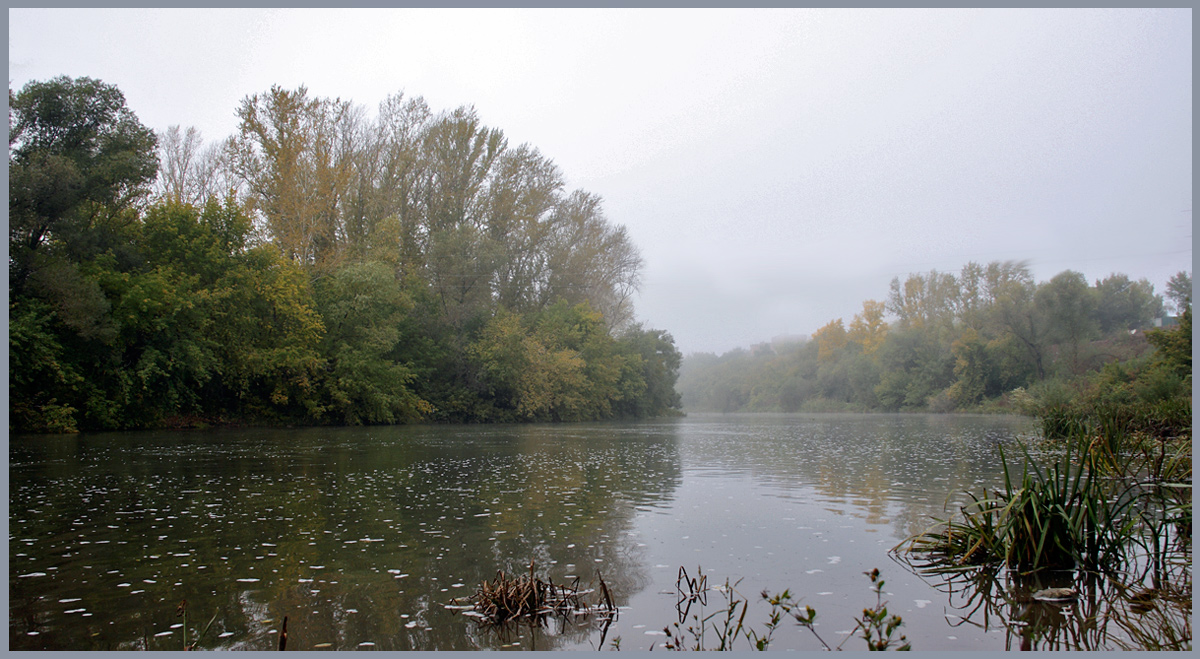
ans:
x=775 y=167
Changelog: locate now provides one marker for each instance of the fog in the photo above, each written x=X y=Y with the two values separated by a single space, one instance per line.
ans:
x=776 y=168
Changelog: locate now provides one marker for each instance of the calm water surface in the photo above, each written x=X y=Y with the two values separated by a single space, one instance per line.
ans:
x=361 y=536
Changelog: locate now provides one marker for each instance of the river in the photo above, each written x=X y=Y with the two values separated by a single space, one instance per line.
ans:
x=362 y=536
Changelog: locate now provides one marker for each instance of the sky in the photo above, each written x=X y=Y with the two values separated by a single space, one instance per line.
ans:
x=776 y=168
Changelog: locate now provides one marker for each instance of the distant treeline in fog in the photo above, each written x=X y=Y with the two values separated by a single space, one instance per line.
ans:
x=967 y=341
x=319 y=266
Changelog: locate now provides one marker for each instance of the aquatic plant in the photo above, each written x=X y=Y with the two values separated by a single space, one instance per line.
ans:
x=1067 y=609
x=1107 y=502
x=508 y=598
x=728 y=624
x=1058 y=517
x=1163 y=419
x=875 y=626
x=181 y=612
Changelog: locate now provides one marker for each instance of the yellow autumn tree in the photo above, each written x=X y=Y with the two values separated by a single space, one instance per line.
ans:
x=868 y=328
x=830 y=339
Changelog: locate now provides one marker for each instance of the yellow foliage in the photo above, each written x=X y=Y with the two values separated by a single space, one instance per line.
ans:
x=868 y=328
x=830 y=339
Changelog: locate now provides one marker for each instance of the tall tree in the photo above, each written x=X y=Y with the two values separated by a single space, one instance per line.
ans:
x=1068 y=306
x=868 y=329
x=191 y=172
x=295 y=156
x=458 y=153
x=1179 y=291
x=79 y=160
x=830 y=340
x=522 y=195
x=591 y=260
x=1123 y=305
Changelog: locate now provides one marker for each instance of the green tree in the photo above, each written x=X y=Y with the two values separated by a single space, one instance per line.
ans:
x=1068 y=306
x=362 y=306
x=1179 y=290
x=590 y=260
x=458 y=153
x=43 y=383
x=971 y=369
x=1174 y=345
x=78 y=160
x=648 y=384
x=1123 y=305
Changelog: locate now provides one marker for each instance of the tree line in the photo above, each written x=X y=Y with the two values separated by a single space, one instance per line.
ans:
x=984 y=338
x=319 y=266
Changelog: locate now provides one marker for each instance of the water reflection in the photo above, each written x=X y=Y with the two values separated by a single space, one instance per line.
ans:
x=1057 y=610
x=358 y=536
x=362 y=536
x=892 y=470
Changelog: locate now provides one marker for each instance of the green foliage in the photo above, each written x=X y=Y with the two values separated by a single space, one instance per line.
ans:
x=415 y=269
x=1175 y=346
x=1118 y=480
x=78 y=158
x=41 y=380
x=970 y=368
x=362 y=306
x=562 y=365
x=987 y=339
x=1056 y=518
x=1126 y=305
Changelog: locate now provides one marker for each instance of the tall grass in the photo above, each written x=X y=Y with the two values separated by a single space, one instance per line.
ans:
x=1084 y=510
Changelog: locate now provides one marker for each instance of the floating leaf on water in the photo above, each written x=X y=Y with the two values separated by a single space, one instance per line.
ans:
x=1055 y=595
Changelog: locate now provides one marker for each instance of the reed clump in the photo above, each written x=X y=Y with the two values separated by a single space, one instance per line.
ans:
x=1116 y=490
x=527 y=596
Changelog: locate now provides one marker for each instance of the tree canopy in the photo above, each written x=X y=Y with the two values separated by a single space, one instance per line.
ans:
x=319 y=266
x=955 y=341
